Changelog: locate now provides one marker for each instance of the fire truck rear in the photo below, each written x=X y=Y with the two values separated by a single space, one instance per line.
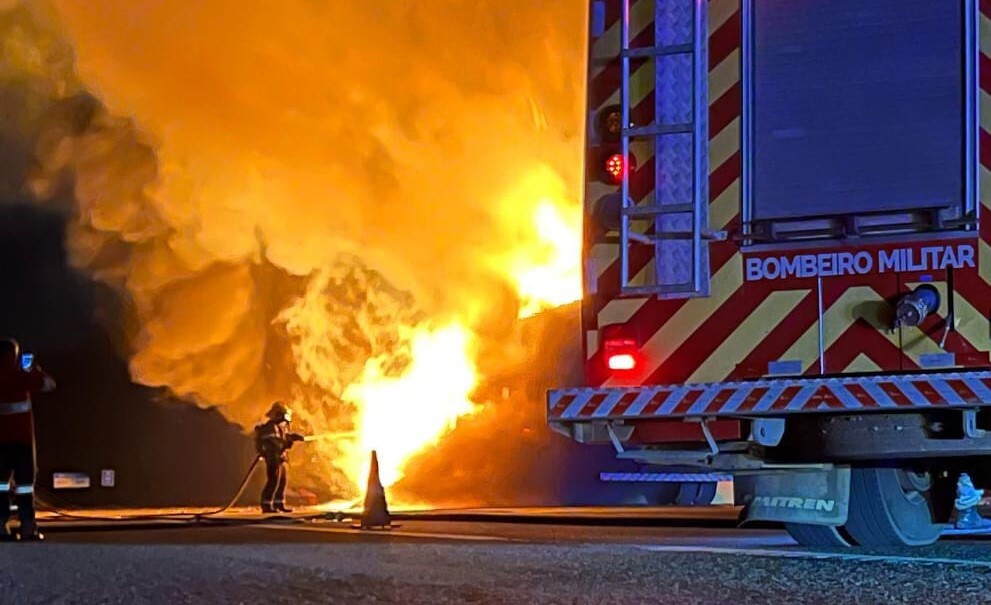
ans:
x=787 y=266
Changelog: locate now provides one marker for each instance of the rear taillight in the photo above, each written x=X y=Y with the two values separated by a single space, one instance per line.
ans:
x=620 y=362
x=620 y=348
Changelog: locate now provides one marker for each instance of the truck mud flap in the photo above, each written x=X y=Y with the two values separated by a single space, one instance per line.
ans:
x=813 y=497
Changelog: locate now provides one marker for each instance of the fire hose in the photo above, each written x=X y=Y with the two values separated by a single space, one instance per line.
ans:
x=52 y=503
x=47 y=504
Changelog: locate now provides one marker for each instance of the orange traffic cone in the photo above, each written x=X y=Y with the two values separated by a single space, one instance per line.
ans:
x=376 y=511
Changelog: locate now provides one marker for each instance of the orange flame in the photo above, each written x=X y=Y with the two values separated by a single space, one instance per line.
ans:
x=544 y=263
x=401 y=416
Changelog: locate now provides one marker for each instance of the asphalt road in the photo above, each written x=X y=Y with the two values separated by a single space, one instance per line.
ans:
x=245 y=560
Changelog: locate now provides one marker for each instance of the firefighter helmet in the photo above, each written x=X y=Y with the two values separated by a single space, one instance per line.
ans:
x=280 y=411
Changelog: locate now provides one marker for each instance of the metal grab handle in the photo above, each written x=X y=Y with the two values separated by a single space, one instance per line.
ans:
x=624 y=104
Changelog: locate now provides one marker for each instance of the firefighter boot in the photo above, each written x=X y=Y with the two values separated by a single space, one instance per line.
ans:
x=28 y=531
x=282 y=508
x=5 y=533
x=970 y=519
x=30 y=535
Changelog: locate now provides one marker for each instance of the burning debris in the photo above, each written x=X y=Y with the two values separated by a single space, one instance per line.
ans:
x=374 y=370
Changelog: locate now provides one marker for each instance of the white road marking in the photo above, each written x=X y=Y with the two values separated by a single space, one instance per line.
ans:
x=808 y=554
x=385 y=533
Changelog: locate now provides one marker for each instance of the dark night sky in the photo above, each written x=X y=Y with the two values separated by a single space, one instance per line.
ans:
x=164 y=452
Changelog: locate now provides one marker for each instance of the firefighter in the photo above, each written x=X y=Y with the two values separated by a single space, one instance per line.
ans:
x=968 y=498
x=17 y=383
x=273 y=440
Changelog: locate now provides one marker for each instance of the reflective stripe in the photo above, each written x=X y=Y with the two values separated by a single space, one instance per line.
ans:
x=4 y=487
x=21 y=490
x=15 y=408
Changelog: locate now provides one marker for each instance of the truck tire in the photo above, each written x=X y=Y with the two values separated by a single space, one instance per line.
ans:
x=696 y=493
x=888 y=507
x=816 y=535
x=667 y=493
x=707 y=493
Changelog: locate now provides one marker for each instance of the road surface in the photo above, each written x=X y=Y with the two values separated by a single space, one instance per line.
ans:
x=243 y=559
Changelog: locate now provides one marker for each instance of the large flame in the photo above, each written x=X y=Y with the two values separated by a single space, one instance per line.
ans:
x=400 y=416
x=544 y=261
x=321 y=200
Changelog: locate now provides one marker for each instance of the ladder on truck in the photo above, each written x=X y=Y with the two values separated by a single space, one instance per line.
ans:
x=679 y=205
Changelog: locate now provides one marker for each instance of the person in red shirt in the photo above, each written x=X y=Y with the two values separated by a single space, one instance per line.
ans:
x=17 y=383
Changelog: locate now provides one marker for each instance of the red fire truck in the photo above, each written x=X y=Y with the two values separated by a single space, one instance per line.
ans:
x=787 y=262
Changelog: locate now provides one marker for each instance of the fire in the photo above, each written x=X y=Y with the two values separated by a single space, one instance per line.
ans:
x=403 y=415
x=545 y=263
x=404 y=380
x=419 y=376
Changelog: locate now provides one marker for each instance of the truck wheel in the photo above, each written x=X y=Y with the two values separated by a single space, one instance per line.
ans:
x=707 y=493
x=667 y=493
x=888 y=507
x=696 y=494
x=816 y=535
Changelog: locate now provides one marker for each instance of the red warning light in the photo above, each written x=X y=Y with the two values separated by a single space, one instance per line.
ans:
x=621 y=362
x=616 y=167
x=619 y=348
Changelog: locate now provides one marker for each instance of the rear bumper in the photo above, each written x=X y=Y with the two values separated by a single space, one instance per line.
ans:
x=664 y=477
x=777 y=397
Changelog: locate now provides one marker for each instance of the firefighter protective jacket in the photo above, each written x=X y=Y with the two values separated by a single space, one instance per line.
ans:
x=16 y=388
x=273 y=439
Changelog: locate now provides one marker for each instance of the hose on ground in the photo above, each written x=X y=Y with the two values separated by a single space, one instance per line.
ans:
x=51 y=502
x=237 y=496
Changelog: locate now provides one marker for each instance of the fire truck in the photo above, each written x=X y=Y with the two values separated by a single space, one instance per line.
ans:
x=787 y=271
